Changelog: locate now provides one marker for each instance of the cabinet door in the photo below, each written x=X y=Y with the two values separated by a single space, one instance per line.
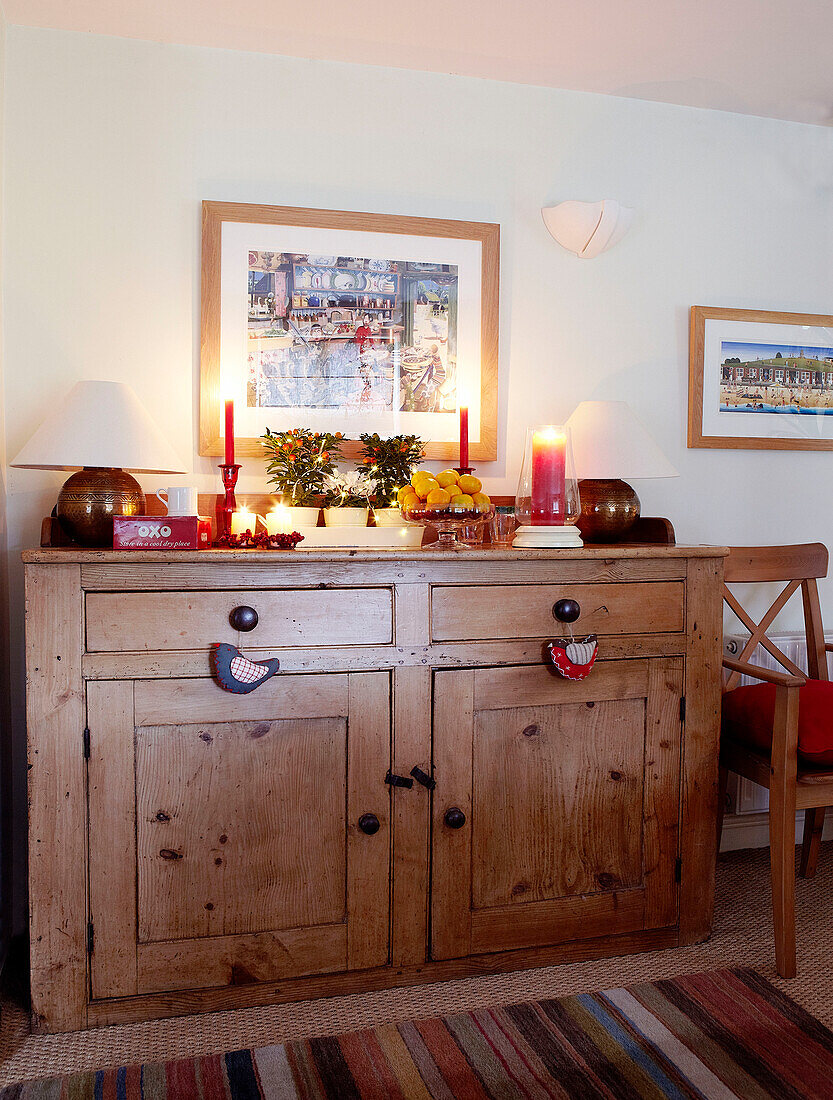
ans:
x=567 y=800
x=224 y=844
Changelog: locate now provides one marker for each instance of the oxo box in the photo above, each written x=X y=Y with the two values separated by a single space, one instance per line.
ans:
x=161 y=533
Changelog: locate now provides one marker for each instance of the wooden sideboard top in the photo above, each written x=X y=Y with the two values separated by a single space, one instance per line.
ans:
x=71 y=555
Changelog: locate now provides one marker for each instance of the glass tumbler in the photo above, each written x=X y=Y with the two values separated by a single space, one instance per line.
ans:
x=502 y=526
x=471 y=534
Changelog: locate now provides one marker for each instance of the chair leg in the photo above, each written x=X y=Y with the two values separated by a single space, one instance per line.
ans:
x=782 y=784
x=813 y=826
x=722 y=786
x=782 y=864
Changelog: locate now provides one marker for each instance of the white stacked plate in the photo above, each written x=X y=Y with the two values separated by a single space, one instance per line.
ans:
x=406 y=537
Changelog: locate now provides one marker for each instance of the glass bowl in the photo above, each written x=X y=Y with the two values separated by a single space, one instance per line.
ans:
x=447 y=523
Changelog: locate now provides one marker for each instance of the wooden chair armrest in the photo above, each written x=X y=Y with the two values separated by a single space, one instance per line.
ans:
x=770 y=676
x=828 y=647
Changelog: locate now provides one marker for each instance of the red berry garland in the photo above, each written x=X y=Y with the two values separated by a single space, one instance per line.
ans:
x=260 y=541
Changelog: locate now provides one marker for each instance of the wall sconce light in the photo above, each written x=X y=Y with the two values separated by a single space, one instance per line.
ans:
x=588 y=228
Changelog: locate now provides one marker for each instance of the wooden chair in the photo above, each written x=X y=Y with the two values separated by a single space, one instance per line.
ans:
x=793 y=783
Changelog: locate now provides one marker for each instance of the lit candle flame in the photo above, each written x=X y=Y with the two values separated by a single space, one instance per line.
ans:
x=550 y=434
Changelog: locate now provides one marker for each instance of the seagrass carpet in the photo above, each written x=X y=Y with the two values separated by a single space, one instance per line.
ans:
x=742 y=937
x=718 y=1035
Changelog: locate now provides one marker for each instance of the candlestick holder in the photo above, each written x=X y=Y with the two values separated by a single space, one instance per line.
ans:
x=464 y=470
x=547 y=501
x=226 y=506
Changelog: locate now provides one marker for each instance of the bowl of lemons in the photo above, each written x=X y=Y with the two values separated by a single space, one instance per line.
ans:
x=446 y=501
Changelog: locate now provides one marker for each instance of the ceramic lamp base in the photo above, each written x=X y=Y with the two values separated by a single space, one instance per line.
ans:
x=545 y=538
x=609 y=509
x=89 y=499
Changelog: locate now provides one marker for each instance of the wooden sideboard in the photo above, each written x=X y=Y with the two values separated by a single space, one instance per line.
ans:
x=192 y=849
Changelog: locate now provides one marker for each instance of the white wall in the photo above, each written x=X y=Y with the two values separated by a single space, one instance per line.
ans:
x=112 y=144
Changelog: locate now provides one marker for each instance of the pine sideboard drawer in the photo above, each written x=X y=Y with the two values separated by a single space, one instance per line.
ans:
x=495 y=612
x=129 y=621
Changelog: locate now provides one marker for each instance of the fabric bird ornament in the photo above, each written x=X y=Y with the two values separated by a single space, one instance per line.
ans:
x=236 y=673
x=574 y=659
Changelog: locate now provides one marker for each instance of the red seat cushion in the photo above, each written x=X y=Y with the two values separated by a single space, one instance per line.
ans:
x=748 y=714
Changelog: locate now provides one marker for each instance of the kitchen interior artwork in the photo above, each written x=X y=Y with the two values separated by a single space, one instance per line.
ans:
x=776 y=378
x=340 y=321
x=351 y=334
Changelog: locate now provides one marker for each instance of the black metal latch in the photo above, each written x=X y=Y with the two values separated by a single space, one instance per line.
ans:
x=394 y=780
x=422 y=777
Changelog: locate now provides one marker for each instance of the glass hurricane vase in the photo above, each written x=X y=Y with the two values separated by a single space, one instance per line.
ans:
x=547 y=501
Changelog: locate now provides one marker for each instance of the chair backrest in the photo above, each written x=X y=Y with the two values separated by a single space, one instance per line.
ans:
x=799 y=567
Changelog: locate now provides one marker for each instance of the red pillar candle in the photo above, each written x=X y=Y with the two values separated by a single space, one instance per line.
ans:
x=549 y=467
x=464 y=437
x=229 y=433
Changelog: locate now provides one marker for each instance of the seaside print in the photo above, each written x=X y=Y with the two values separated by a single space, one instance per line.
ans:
x=776 y=378
x=351 y=334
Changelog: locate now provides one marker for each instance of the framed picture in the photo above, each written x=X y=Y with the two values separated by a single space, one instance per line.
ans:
x=760 y=380
x=340 y=321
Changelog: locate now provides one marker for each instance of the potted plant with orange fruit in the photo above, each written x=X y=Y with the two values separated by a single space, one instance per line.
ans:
x=388 y=463
x=298 y=462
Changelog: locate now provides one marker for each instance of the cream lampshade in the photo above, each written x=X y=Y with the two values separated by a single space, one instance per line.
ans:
x=611 y=446
x=103 y=428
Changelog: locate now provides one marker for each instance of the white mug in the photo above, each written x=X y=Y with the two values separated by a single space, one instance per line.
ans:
x=180 y=500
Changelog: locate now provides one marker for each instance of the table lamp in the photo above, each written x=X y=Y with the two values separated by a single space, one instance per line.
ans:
x=609 y=445
x=103 y=428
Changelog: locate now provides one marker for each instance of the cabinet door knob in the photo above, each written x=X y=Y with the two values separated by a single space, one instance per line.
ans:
x=455 y=818
x=566 y=611
x=243 y=618
x=369 y=824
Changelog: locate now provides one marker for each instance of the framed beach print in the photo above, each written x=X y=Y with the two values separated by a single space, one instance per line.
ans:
x=760 y=380
x=340 y=321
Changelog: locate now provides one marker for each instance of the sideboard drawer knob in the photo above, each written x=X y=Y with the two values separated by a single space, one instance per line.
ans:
x=566 y=611
x=243 y=618
x=369 y=824
x=455 y=818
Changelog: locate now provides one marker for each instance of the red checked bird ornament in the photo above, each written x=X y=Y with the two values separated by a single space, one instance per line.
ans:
x=236 y=673
x=573 y=659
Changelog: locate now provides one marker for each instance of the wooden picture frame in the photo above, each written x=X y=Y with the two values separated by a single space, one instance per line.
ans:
x=771 y=395
x=486 y=236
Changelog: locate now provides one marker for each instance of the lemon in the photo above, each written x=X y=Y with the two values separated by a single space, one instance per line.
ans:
x=481 y=502
x=438 y=498
x=425 y=486
x=469 y=484
x=447 y=478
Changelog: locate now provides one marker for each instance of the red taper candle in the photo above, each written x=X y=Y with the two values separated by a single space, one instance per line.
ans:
x=229 y=433
x=464 y=437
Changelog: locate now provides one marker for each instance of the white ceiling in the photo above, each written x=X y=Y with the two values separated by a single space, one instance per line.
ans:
x=761 y=57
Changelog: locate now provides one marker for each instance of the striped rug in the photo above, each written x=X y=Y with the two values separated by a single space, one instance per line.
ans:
x=719 y=1035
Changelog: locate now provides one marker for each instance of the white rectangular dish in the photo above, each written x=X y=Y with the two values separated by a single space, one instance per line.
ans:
x=363 y=538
